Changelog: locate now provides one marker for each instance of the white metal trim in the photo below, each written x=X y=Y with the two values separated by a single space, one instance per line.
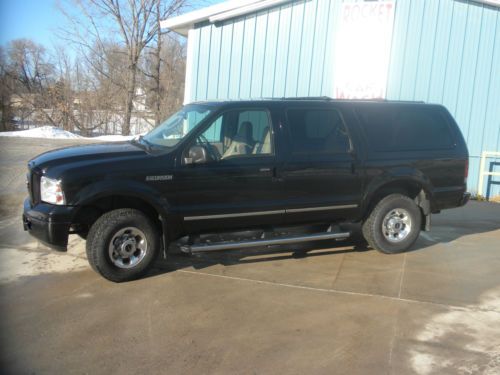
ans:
x=246 y=9
x=186 y=21
x=482 y=173
x=494 y=3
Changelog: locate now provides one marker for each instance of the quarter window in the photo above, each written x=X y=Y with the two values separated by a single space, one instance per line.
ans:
x=405 y=128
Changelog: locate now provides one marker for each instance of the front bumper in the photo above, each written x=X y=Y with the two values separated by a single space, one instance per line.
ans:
x=48 y=223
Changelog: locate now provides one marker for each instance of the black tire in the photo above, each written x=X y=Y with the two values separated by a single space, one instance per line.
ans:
x=106 y=228
x=373 y=229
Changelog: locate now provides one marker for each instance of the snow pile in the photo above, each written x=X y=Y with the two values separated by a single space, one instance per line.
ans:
x=42 y=132
x=52 y=132
x=113 y=138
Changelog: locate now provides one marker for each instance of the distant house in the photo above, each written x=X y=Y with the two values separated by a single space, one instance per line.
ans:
x=445 y=51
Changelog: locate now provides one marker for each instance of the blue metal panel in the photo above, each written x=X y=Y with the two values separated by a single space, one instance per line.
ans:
x=214 y=62
x=203 y=63
x=294 y=48
x=236 y=58
x=259 y=55
x=247 y=57
x=447 y=52
x=426 y=48
x=273 y=26
x=320 y=44
x=440 y=47
x=307 y=48
x=195 y=42
x=225 y=62
x=282 y=48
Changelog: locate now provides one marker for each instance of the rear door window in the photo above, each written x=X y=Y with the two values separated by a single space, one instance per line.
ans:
x=317 y=131
x=405 y=128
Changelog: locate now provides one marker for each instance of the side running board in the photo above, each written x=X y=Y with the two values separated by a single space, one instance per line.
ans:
x=228 y=245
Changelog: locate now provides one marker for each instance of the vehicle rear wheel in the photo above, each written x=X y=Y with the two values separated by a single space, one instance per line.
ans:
x=122 y=244
x=393 y=225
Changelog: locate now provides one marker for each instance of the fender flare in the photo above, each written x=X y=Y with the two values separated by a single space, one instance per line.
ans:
x=130 y=188
x=393 y=176
x=126 y=188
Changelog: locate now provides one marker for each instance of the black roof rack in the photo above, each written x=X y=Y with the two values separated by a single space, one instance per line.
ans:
x=328 y=98
x=314 y=98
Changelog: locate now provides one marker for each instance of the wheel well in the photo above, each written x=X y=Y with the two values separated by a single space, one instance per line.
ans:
x=90 y=212
x=411 y=189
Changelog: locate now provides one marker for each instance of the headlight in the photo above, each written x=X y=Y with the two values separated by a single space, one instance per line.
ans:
x=51 y=191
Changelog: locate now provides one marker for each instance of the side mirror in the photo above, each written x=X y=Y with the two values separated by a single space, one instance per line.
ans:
x=196 y=155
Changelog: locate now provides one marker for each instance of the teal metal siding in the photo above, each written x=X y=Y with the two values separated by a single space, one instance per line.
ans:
x=448 y=52
x=443 y=51
x=283 y=51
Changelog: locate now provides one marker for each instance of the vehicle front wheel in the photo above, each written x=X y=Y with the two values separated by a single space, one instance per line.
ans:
x=393 y=225
x=122 y=244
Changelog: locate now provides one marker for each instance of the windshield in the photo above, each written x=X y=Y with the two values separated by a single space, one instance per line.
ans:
x=179 y=125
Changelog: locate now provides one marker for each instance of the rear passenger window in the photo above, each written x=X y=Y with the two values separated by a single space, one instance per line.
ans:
x=402 y=128
x=317 y=131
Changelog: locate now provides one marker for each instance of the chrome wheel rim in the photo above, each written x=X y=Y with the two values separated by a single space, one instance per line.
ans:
x=128 y=247
x=396 y=225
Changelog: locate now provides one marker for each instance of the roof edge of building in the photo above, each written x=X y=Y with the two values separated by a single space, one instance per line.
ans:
x=218 y=12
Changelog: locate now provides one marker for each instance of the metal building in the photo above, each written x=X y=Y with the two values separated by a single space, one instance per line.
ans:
x=438 y=51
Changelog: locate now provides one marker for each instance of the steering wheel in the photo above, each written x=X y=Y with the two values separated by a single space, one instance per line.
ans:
x=213 y=151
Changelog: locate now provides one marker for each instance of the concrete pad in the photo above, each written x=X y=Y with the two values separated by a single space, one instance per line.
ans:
x=331 y=307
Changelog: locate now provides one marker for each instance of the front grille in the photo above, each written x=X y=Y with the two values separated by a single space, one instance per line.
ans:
x=28 y=185
x=34 y=186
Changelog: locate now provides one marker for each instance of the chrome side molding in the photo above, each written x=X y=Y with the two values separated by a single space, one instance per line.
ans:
x=275 y=212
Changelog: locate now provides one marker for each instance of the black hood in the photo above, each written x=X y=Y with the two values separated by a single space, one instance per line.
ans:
x=86 y=154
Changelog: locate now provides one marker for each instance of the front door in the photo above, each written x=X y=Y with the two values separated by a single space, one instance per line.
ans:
x=235 y=186
x=321 y=174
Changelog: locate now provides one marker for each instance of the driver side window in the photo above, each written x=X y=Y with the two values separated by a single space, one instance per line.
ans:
x=238 y=133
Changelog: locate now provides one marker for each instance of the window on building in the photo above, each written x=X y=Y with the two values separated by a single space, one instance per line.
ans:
x=317 y=131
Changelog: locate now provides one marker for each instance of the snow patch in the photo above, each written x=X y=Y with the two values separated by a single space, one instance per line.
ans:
x=42 y=132
x=113 y=138
x=479 y=323
x=51 y=132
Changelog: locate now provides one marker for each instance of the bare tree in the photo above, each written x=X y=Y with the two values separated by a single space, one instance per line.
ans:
x=29 y=75
x=5 y=94
x=133 y=24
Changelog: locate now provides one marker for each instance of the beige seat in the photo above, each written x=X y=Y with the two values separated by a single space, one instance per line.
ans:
x=263 y=147
x=242 y=143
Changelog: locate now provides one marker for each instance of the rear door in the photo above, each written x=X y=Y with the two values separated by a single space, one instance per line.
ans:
x=237 y=187
x=322 y=176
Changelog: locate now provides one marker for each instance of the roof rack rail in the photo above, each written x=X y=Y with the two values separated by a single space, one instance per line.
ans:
x=306 y=98
x=328 y=98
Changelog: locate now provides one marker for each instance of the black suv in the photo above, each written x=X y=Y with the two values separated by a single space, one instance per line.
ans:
x=218 y=168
